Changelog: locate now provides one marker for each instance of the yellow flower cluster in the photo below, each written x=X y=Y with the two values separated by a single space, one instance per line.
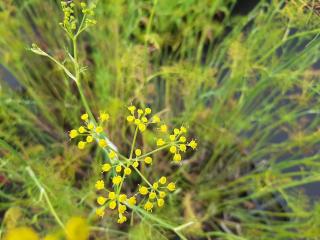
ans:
x=139 y=117
x=156 y=193
x=176 y=141
x=90 y=131
x=119 y=167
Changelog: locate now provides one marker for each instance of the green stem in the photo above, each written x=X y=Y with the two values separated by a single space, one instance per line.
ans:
x=133 y=142
x=78 y=76
x=142 y=176
x=43 y=191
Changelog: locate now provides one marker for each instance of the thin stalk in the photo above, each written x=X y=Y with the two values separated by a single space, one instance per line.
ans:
x=44 y=193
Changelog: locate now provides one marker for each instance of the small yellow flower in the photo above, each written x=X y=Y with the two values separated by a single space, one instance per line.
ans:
x=172 y=137
x=155 y=186
x=135 y=164
x=132 y=109
x=176 y=131
x=163 y=128
x=116 y=180
x=156 y=119
x=182 y=147
x=140 y=112
x=90 y=126
x=171 y=187
x=102 y=143
x=177 y=157
x=162 y=194
x=183 y=129
x=104 y=117
x=144 y=119
x=122 y=197
x=160 y=202
x=118 y=168
x=193 y=144
x=101 y=200
x=182 y=139
x=148 y=160
x=132 y=200
x=147 y=110
x=99 y=185
x=142 y=127
x=163 y=180
x=138 y=152
x=112 y=154
x=173 y=149
x=106 y=167
x=100 y=212
x=148 y=206
x=81 y=129
x=112 y=204
x=122 y=208
x=152 y=195
x=73 y=133
x=137 y=121
x=130 y=119
x=85 y=117
x=160 y=142
x=99 y=129
x=81 y=145
x=122 y=219
x=89 y=139
x=127 y=171
x=112 y=195
x=143 y=190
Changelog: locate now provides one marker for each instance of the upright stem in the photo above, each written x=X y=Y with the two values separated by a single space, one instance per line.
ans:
x=78 y=76
x=133 y=142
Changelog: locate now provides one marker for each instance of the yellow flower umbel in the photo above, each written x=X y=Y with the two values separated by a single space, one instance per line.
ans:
x=118 y=167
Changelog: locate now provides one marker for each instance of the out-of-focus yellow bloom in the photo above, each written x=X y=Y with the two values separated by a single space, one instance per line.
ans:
x=21 y=233
x=77 y=229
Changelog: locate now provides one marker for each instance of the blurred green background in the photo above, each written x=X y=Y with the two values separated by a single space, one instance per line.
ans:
x=244 y=80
